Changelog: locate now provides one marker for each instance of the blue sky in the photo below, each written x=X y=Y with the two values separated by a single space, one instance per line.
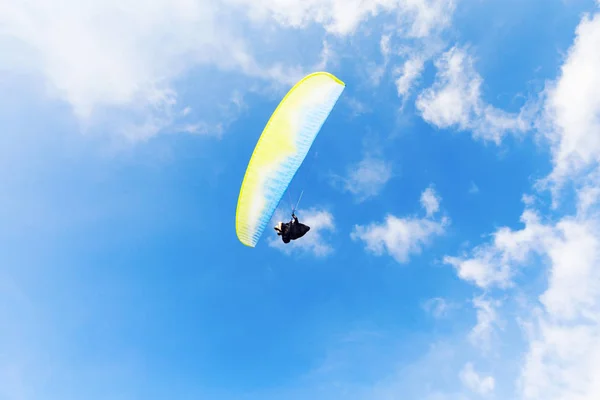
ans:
x=452 y=194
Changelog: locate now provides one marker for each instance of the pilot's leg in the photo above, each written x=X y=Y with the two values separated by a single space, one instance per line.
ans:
x=278 y=228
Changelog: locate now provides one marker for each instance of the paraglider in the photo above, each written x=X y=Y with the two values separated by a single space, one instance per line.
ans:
x=292 y=230
x=279 y=152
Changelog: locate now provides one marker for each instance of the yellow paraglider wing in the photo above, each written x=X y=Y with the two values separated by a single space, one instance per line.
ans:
x=281 y=149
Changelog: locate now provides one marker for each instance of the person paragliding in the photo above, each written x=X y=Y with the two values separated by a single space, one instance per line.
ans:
x=279 y=152
x=292 y=230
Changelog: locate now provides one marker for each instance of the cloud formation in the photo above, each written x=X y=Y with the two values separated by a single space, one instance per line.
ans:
x=368 y=177
x=400 y=237
x=487 y=321
x=475 y=382
x=438 y=307
x=495 y=264
x=562 y=323
x=430 y=201
x=455 y=101
x=123 y=59
x=340 y=17
x=408 y=74
x=572 y=107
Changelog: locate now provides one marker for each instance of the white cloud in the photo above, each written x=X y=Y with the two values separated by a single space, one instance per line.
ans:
x=574 y=282
x=357 y=107
x=106 y=53
x=385 y=46
x=116 y=61
x=563 y=325
x=376 y=71
x=342 y=17
x=428 y=16
x=368 y=177
x=480 y=269
x=564 y=329
x=563 y=356
x=528 y=199
x=455 y=100
x=438 y=307
x=113 y=52
x=572 y=107
x=407 y=74
x=487 y=320
x=474 y=189
x=434 y=17
x=120 y=60
x=562 y=359
x=588 y=196
x=495 y=264
x=475 y=382
x=399 y=237
x=430 y=201
x=321 y=222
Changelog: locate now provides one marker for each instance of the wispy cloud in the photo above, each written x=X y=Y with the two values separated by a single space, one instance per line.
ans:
x=356 y=107
x=430 y=201
x=418 y=17
x=408 y=74
x=487 y=321
x=475 y=382
x=439 y=307
x=229 y=111
x=367 y=178
x=474 y=189
x=376 y=71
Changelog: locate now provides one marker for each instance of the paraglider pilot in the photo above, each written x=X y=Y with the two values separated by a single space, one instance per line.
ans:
x=291 y=230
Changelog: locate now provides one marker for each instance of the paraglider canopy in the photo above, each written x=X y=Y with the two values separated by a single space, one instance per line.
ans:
x=281 y=149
